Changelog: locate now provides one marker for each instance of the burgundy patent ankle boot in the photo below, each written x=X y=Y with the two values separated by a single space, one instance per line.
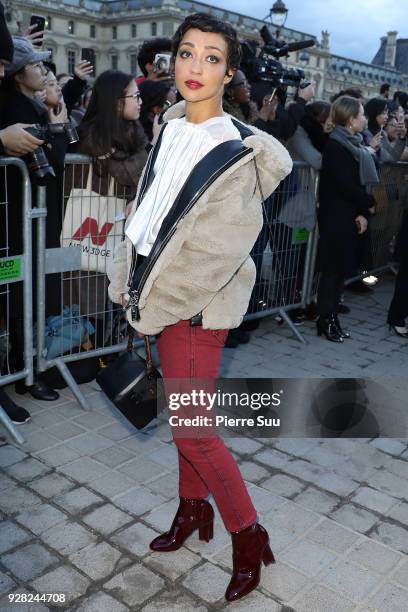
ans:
x=250 y=548
x=192 y=514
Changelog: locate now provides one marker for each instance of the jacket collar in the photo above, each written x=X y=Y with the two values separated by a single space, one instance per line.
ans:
x=272 y=158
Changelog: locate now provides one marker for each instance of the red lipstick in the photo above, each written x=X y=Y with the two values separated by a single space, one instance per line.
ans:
x=194 y=84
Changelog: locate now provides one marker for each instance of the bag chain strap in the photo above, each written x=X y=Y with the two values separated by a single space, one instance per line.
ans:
x=149 y=361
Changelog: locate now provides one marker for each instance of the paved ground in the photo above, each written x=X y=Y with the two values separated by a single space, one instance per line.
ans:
x=80 y=501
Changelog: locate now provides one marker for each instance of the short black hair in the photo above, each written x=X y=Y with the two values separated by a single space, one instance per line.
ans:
x=384 y=88
x=208 y=23
x=148 y=50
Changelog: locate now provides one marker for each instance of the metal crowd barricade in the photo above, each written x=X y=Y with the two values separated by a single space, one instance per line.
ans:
x=283 y=252
x=15 y=285
x=87 y=325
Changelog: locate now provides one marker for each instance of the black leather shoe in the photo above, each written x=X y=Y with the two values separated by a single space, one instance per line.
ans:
x=39 y=390
x=328 y=327
x=17 y=414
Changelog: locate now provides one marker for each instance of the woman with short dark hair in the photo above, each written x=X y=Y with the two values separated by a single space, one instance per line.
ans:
x=185 y=274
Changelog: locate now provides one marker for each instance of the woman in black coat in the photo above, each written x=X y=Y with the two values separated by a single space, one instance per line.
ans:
x=345 y=204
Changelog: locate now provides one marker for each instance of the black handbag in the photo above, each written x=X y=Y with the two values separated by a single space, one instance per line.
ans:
x=133 y=385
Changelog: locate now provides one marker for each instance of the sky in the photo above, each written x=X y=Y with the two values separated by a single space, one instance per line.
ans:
x=355 y=26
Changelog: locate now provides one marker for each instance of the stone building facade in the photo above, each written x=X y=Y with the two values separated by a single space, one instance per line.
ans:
x=116 y=29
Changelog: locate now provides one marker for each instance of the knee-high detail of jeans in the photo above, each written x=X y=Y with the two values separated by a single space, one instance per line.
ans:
x=205 y=464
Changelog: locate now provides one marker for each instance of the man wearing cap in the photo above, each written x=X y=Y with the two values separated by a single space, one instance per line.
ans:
x=14 y=140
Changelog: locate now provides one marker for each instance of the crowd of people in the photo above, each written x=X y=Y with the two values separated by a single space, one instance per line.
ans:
x=117 y=120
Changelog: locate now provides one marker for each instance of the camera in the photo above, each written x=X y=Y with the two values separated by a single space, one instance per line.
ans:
x=37 y=161
x=162 y=63
x=266 y=66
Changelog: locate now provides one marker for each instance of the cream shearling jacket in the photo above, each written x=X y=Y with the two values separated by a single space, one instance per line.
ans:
x=206 y=266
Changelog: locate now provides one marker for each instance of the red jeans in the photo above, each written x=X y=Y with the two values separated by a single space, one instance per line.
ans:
x=205 y=464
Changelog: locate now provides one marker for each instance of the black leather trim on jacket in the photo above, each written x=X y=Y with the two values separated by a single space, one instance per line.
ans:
x=204 y=173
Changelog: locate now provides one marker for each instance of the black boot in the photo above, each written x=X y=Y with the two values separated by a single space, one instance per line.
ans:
x=343 y=333
x=328 y=326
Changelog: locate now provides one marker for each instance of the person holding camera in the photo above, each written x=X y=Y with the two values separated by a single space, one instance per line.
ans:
x=14 y=141
x=25 y=75
x=345 y=204
x=283 y=124
x=147 y=59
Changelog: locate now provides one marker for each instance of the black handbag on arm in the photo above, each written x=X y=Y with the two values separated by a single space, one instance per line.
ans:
x=133 y=384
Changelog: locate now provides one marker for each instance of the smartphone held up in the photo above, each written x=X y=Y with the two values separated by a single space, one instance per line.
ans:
x=37 y=24
x=88 y=55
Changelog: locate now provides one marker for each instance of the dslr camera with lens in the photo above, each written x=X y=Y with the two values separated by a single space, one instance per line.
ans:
x=37 y=161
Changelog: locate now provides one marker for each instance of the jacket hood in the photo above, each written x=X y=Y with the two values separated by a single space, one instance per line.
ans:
x=272 y=158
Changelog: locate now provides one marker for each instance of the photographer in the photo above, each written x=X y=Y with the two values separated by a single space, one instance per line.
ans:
x=147 y=56
x=15 y=141
x=287 y=117
x=26 y=76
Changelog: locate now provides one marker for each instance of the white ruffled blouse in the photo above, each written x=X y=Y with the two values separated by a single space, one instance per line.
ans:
x=183 y=145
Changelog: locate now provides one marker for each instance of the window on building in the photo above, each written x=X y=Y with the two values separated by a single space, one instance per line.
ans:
x=92 y=30
x=71 y=27
x=114 y=32
x=48 y=23
x=133 y=63
x=154 y=28
x=168 y=29
x=71 y=60
x=318 y=62
x=114 y=62
x=133 y=30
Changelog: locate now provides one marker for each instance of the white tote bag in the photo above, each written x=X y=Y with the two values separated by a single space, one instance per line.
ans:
x=93 y=223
